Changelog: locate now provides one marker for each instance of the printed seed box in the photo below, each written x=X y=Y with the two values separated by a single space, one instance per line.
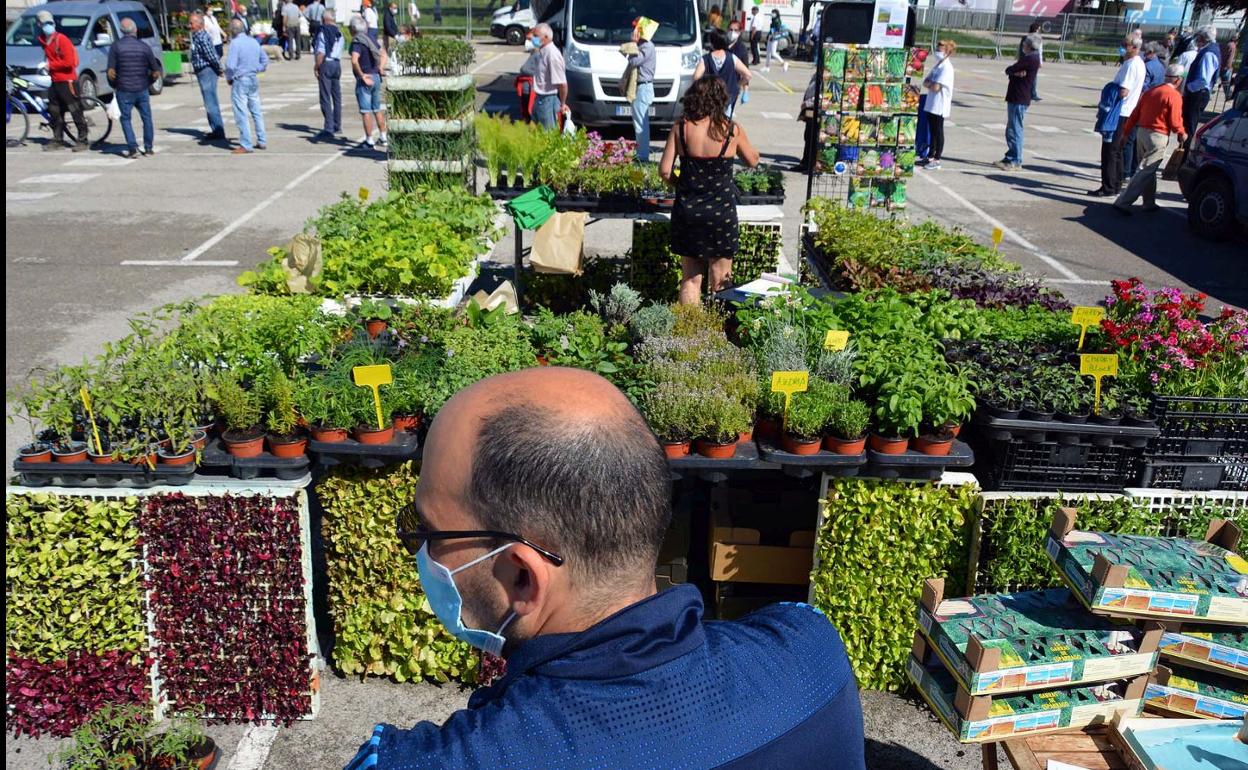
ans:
x=1005 y=643
x=1210 y=647
x=1192 y=692
x=1170 y=578
x=987 y=718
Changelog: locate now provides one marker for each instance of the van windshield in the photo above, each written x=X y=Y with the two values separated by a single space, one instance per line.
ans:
x=25 y=30
x=611 y=21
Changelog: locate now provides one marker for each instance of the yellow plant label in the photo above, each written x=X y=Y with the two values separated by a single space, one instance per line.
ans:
x=1237 y=563
x=1086 y=316
x=997 y=235
x=1099 y=364
x=95 y=431
x=789 y=383
x=374 y=377
x=836 y=339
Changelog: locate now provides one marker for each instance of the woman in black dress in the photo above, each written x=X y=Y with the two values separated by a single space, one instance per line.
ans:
x=704 y=219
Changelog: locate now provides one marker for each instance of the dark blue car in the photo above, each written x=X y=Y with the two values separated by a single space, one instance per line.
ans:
x=1214 y=176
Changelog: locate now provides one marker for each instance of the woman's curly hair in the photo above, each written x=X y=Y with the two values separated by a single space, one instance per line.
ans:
x=707 y=98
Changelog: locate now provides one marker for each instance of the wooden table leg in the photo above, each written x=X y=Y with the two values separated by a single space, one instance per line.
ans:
x=990 y=756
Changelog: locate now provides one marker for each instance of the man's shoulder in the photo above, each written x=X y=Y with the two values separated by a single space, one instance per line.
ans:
x=789 y=629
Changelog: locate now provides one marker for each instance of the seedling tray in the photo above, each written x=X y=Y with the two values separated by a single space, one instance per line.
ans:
x=999 y=429
x=985 y=719
x=1196 y=693
x=1212 y=648
x=96 y=475
x=215 y=458
x=1023 y=465
x=998 y=644
x=404 y=446
x=1169 y=578
x=916 y=465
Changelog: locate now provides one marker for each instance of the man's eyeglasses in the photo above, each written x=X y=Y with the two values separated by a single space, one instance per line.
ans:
x=413 y=535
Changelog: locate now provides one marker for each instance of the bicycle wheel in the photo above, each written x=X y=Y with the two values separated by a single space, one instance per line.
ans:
x=99 y=124
x=16 y=122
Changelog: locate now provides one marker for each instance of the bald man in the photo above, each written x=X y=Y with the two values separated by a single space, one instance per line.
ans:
x=132 y=68
x=536 y=525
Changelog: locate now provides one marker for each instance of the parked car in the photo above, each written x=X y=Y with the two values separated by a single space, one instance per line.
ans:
x=1214 y=176
x=513 y=22
x=92 y=28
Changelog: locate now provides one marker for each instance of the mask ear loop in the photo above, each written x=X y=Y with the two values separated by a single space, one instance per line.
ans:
x=480 y=559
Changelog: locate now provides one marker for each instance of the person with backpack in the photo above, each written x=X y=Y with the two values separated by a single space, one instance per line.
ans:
x=774 y=35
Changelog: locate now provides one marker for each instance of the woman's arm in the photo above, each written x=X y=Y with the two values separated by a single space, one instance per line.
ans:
x=743 y=72
x=669 y=157
x=699 y=70
x=745 y=150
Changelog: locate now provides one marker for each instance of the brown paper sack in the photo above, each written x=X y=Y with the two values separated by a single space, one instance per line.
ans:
x=560 y=244
x=1171 y=171
x=504 y=295
x=303 y=263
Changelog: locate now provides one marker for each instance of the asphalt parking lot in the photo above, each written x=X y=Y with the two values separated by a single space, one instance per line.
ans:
x=93 y=238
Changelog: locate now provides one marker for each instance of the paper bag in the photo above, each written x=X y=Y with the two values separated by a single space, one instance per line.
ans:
x=303 y=263
x=559 y=244
x=504 y=295
x=1171 y=171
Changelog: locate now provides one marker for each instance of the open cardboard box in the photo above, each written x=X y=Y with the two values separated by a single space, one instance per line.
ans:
x=1190 y=692
x=1223 y=650
x=737 y=556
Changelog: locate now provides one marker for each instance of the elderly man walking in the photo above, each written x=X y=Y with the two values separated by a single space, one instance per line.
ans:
x=1201 y=76
x=327 y=48
x=1022 y=75
x=207 y=67
x=1119 y=99
x=368 y=60
x=291 y=16
x=1159 y=114
x=244 y=63
x=550 y=82
x=132 y=68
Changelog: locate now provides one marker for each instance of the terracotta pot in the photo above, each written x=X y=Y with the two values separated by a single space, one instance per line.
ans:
x=888 y=445
x=169 y=458
x=328 y=435
x=931 y=445
x=955 y=430
x=714 y=450
x=77 y=453
x=209 y=428
x=543 y=361
x=199 y=439
x=745 y=436
x=287 y=447
x=767 y=429
x=844 y=446
x=800 y=446
x=104 y=459
x=406 y=422
x=676 y=449
x=366 y=435
x=147 y=460
x=243 y=443
x=35 y=453
x=374 y=327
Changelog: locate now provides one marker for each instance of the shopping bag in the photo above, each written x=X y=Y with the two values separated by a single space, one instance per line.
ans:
x=113 y=109
x=569 y=128
x=533 y=208
x=560 y=244
x=504 y=296
x=1171 y=171
x=303 y=263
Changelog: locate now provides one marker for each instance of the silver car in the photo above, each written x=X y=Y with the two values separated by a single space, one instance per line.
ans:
x=92 y=28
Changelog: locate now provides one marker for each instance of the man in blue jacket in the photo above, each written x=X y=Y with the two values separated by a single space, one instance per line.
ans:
x=542 y=503
x=132 y=68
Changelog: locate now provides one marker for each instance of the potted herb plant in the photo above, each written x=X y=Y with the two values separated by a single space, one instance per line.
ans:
x=947 y=403
x=810 y=413
x=320 y=402
x=669 y=409
x=241 y=410
x=364 y=416
x=376 y=315
x=112 y=739
x=285 y=438
x=898 y=415
x=407 y=394
x=26 y=405
x=847 y=430
x=719 y=421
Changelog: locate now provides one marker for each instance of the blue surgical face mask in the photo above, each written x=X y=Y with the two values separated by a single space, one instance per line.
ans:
x=448 y=604
x=49 y=28
x=531 y=43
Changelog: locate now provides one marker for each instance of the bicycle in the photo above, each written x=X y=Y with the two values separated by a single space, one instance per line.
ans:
x=25 y=97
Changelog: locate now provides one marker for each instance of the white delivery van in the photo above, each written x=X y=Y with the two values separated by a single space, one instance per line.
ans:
x=590 y=33
x=513 y=22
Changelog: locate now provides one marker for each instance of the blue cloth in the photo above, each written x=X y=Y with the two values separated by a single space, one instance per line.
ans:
x=1204 y=69
x=134 y=62
x=245 y=97
x=329 y=86
x=1154 y=73
x=1107 y=111
x=208 y=90
x=204 y=53
x=654 y=686
x=370 y=63
x=246 y=58
x=329 y=42
x=1014 y=133
x=546 y=110
x=126 y=102
x=369 y=97
x=641 y=119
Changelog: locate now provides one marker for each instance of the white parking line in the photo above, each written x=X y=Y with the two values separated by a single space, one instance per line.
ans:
x=166 y=107
x=482 y=65
x=58 y=179
x=19 y=197
x=180 y=263
x=254 y=748
x=777 y=115
x=1049 y=129
x=106 y=160
x=994 y=126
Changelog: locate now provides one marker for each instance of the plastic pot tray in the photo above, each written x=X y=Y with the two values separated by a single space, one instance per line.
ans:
x=823 y=461
x=916 y=465
x=998 y=429
x=216 y=458
x=404 y=446
x=88 y=474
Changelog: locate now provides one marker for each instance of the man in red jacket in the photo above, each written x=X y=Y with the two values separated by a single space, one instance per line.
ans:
x=63 y=67
x=1158 y=114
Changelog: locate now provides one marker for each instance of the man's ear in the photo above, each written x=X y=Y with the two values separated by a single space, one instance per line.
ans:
x=527 y=578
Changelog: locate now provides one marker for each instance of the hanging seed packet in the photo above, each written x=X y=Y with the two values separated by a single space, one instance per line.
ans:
x=905 y=162
x=869 y=162
x=831 y=126
x=897 y=196
x=855 y=64
x=879 y=195
x=834 y=63
x=914 y=65
x=850 y=126
x=887 y=133
x=827 y=159
x=907 y=128
x=896 y=60
x=859 y=193
x=894 y=100
x=910 y=98
x=873 y=99
x=848 y=158
x=868 y=130
x=877 y=64
x=888 y=162
x=851 y=97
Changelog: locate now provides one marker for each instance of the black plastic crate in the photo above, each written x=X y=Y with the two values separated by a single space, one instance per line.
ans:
x=1200 y=427
x=1043 y=466
x=1186 y=473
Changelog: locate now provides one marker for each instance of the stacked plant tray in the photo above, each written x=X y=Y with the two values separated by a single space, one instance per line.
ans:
x=1190 y=692
x=1202 y=444
x=1215 y=648
x=432 y=141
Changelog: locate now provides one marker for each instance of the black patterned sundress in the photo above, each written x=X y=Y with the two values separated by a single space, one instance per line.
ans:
x=704 y=218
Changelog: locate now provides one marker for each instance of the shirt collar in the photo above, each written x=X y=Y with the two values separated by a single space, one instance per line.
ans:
x=639 y=637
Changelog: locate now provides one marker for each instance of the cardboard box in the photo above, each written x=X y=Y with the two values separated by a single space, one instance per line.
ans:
x=1132 y=576
x=984 y=718
x=1166 y=744
x=1196 y=693
x=1208 y=647
x=1034 y=640
x=737 y=556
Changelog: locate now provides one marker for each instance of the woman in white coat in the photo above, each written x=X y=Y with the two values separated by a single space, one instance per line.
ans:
x=939 y=85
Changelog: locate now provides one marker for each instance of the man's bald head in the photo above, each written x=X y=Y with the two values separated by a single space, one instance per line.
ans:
x=561 y=457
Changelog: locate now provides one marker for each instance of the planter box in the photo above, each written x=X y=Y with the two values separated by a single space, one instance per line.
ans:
x=1178 y=505
x=429 y=83
x=1191 y=692
x=984 y=719
x=736 y=556
x=414 y=126
x=435 y=166
x=1005 y=643
x=1133 y=576
x=1208 y=647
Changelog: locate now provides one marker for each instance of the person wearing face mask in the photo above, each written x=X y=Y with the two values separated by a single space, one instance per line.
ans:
x=736 y=43
x=723 y=64
x=536 y=524
x=939 y=102
x=550 y=79
x=63 y=97
x=774 y=33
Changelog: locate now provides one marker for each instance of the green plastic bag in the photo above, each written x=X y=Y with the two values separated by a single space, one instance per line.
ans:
x=533 y=208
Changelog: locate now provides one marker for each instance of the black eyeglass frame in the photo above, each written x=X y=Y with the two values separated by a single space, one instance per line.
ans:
x=406 y=536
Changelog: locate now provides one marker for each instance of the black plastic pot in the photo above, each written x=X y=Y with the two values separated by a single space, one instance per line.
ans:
x=1076 y=419
x=1003 y=412
x=1029 y=413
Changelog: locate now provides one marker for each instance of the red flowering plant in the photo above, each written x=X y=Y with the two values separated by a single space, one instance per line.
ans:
x=1166 y=348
